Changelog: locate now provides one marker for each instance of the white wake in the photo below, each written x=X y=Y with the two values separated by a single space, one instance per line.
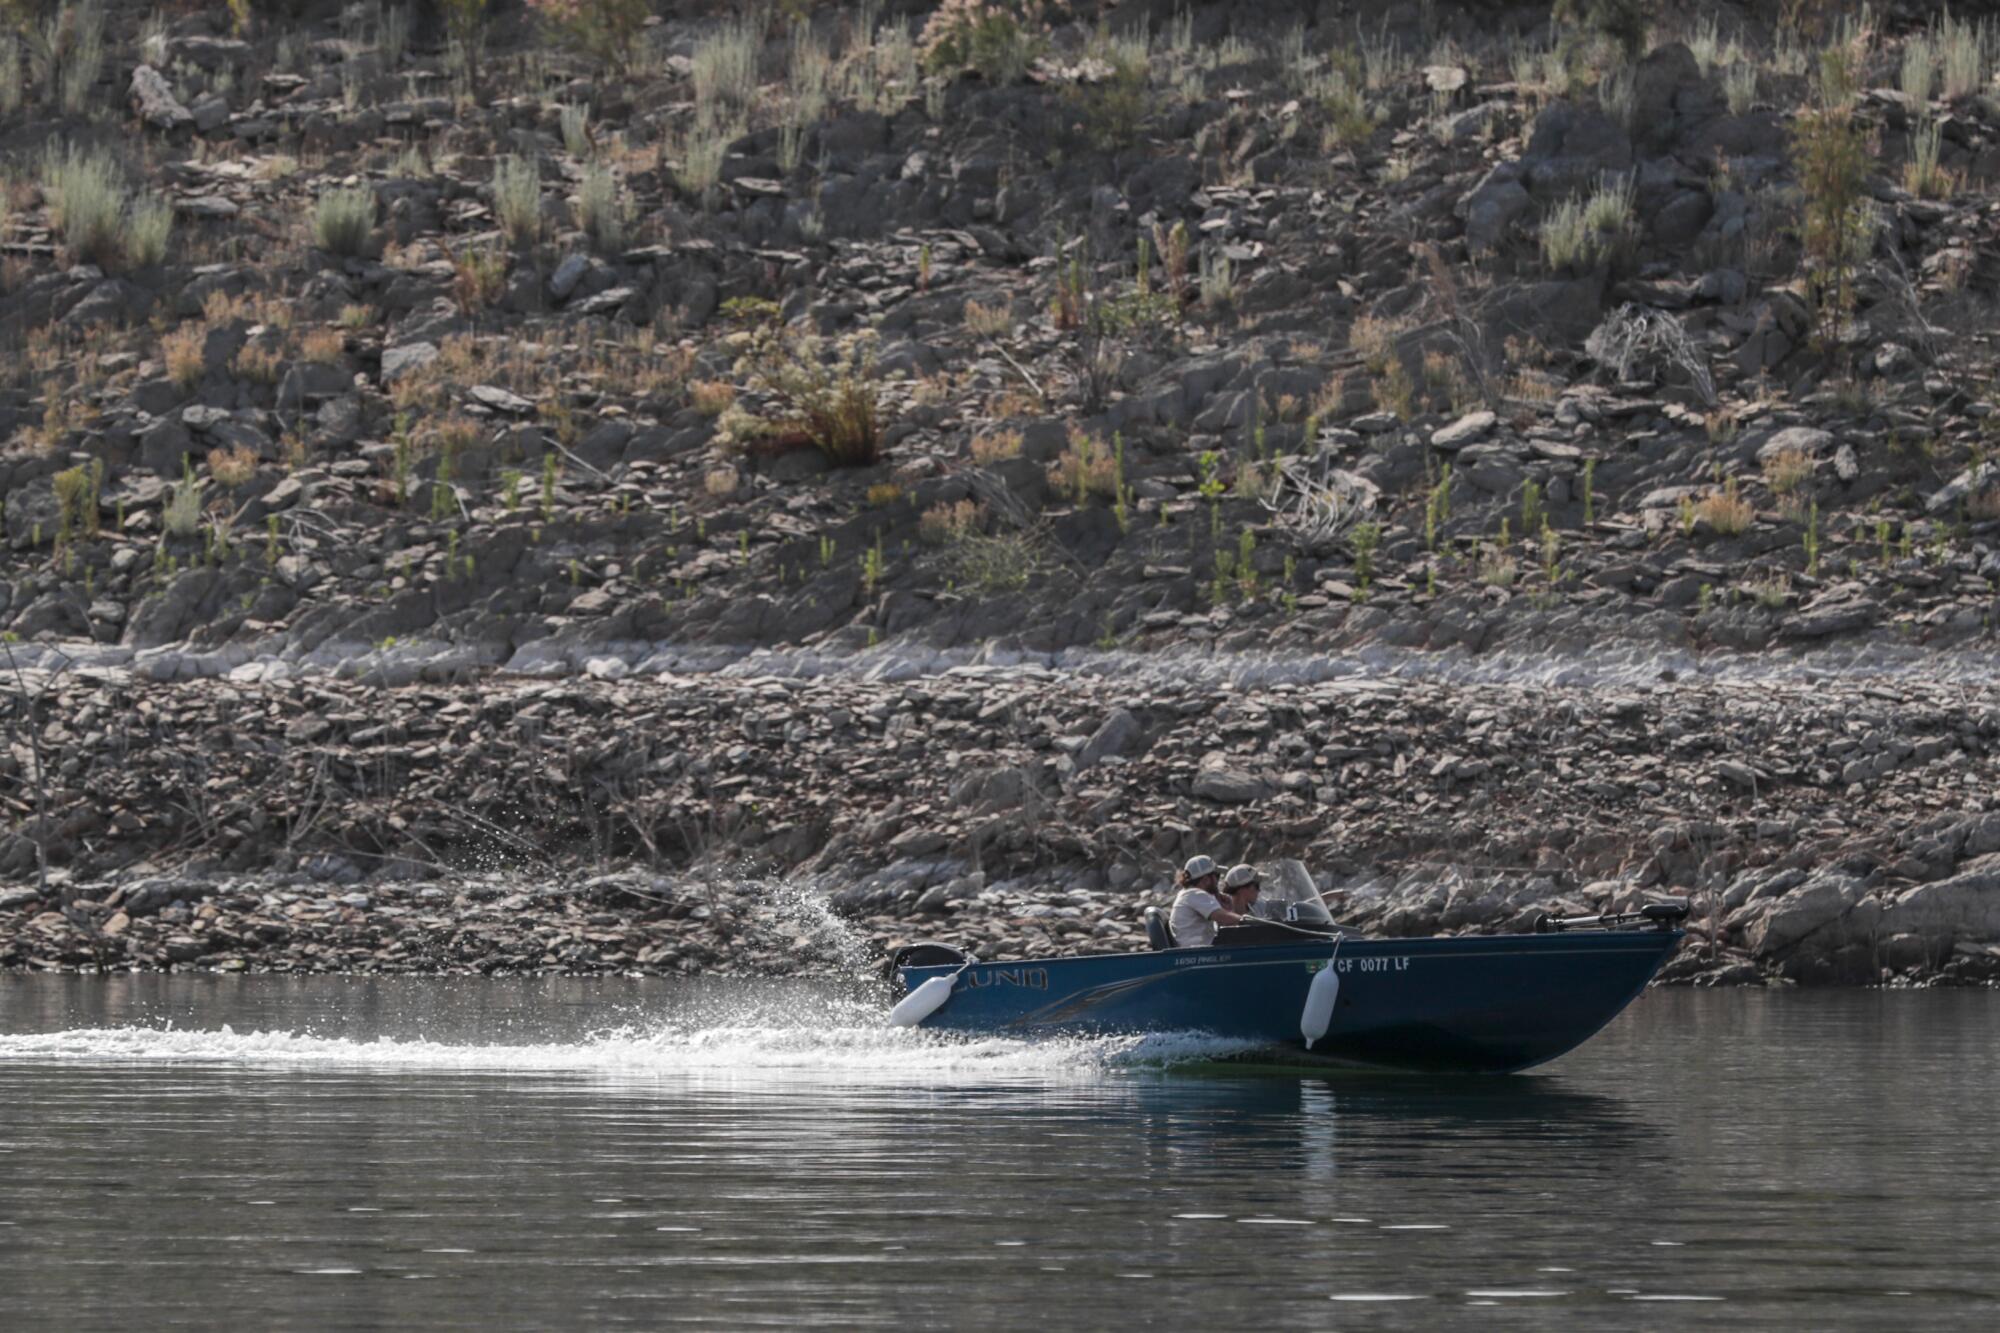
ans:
x=865 y=1054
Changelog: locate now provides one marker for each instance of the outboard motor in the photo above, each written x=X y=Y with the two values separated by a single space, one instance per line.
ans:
x=924 y=954
x=927 y=999
x=1157 y=933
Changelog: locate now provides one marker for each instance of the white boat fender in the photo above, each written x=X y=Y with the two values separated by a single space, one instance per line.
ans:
x=924 y=1001
x=1317 y=1016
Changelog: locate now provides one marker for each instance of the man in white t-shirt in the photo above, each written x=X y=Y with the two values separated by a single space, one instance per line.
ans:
x=1199 y=909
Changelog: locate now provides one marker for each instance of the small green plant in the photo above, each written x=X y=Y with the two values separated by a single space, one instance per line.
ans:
x=1212 y=488
x=1589 y=491
x=1365 y=538
x=872 y=566
x=181 y=516
x=402 y=458
x=270 y=539
x=76 y=491
x=1531 y=506
x=510 y=489
x=344 y=219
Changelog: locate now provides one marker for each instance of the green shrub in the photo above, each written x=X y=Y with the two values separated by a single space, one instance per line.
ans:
x=1831 y=159
x=576 y=130
x=607 y=31
x=517 y=198
x=97 y=217
x=1579 y=233
x=701 y=151
x=602 y=209
x=343 y=219
x=725 y=66
x=995 y=39
x=12 y=92
x=65 y=50
x=1626 y=23
x=830 y=395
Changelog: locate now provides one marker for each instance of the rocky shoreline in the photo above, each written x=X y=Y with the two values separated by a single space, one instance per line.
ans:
x=1824 y=832
x=482 y=502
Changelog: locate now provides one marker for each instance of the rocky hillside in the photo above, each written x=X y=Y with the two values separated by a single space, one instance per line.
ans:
x=371 y=369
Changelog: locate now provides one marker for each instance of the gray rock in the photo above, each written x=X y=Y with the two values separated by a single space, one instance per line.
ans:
x=154 y=102
x=211 y=113
x=1464 y=430
x=917 y=842
x=1229 y=787
x=1119 y=733
x=207 y=207
x=567 y=275
x=501 y=400
x=1807 y=440
x=1962 y=488
x=400 y=361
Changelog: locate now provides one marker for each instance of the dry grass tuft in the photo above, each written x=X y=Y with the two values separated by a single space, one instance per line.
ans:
x=711 y=398
x=1786 y=471
x=992 y=446
x=182 y=350
x=232 y=467
x=944 y=523
x=1725 y=512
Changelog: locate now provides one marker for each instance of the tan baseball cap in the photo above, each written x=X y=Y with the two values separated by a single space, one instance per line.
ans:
x=1240 y=877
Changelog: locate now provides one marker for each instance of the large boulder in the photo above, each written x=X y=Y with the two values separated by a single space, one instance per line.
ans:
x=1812 y=907
x=1963 y=907
x=1571 y=150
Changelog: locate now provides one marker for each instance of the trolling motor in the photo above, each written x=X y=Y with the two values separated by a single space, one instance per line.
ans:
x=1661 y=916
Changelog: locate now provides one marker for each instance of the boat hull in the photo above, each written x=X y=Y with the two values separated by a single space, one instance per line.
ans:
x=1475 y=1004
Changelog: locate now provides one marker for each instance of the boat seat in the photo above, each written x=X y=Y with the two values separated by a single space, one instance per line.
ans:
x=1157 y=933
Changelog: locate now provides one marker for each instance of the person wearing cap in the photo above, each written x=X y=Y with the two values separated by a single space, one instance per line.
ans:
x=1197 y=908
x=1240 y=888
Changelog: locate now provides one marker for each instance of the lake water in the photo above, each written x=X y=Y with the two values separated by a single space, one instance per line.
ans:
x=329 y=1153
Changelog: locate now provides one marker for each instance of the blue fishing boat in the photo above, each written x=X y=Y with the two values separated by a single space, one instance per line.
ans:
x=1312 y=994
